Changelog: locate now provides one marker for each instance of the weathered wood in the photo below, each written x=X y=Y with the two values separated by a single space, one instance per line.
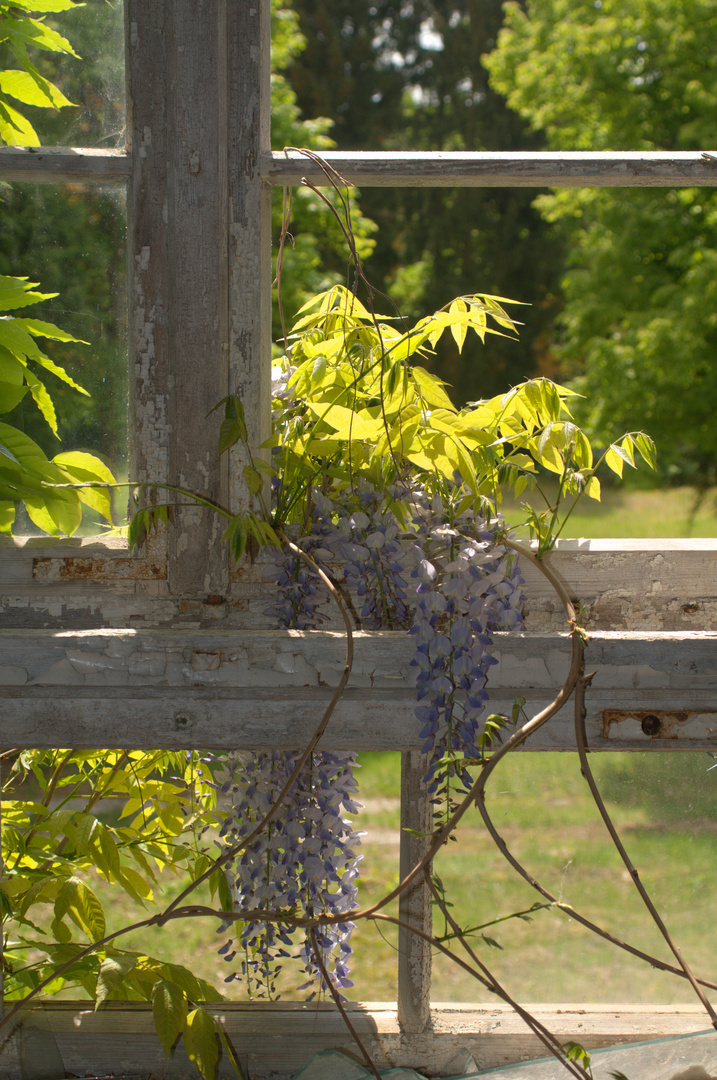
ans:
x=414 y=953
x=148 y=262
x=499 y=168
x=621 y=584
x=64 y=164
x=175 y=688
x=197 y=325
x=280 y=1038
x=200 y=264
x=398 y=168
x=248 y=229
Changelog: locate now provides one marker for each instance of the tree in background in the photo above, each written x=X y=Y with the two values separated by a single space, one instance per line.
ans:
x=639 y=328
x=409 y=76
x=318 y=255
x=27 y=373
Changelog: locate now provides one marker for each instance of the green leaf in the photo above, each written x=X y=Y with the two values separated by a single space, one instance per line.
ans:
x=82 y=832
x=56 y=511
x=36 y=33
x=106 y=851
x=32 y=89
x=40 y=328
x=7 y=516
x=431 y=389
x=11 y=395
x=459 y=330
x=17 y=292
x=169 y=1008
x=646 y=448
x=138 y=528
x=5 y=905
x=77 y=900
x=230 y=433
x=200 y=1042
x=15 y=129
x=236 y=536
x=86 y=468
x=347 y=423
x=617 y=455
x=253 y=480
x=575 y=1052
x=45 y=5
x=43 y=401
x=113 y=970
x=134 y=884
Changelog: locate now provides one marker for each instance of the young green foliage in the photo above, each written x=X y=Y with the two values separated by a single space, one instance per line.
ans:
x=57 y=841
x=357 y=402
x=23 y=26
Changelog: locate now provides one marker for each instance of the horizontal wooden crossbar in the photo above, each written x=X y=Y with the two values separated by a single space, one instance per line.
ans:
x=280 y=1038
x=667 y=584
x=64 y=164
x=401 y=169
x=498 y=168
x=253 y=689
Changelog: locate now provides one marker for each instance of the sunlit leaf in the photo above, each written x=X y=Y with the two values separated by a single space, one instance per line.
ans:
x=32 y=89
x=169 y=1009
x=200 y=1042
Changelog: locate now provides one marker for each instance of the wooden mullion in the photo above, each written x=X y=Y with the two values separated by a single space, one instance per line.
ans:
x=248 y=235
x=499 y=169
x=414 y=952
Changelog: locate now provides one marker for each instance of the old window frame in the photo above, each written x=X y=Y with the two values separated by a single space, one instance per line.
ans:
x=199 y=172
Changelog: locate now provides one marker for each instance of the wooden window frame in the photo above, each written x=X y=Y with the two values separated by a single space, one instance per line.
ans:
x=166 y=640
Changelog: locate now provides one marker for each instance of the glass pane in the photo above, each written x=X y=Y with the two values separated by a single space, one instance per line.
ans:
x=654 y=1060
x=71 y=241
x=93 y=80
x=665 y=809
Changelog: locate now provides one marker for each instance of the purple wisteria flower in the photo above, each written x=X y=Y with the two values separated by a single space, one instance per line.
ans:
x=306 y=860
x=467 y=586
x=452 y=583
x=373 y=547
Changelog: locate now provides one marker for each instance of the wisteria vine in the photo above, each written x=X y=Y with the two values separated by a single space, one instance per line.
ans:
x=451 y=583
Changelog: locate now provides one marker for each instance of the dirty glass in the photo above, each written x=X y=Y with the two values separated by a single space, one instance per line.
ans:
x=71 y=240
x=92 y=80
x=665 y=808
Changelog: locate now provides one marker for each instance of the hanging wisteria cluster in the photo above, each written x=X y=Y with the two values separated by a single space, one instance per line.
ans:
x=451 y=586
x=304 y=861
x=467 y=587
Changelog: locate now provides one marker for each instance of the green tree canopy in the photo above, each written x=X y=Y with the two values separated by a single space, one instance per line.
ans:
x=409 y=77
x=639 y=328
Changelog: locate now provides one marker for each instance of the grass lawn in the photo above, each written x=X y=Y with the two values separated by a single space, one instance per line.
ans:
x=623 y=512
